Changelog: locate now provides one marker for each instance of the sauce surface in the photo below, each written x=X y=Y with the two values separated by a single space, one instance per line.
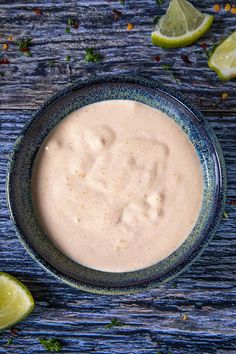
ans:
x=117 y=186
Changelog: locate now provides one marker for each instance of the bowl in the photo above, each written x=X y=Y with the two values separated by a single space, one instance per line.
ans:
x=80 y=94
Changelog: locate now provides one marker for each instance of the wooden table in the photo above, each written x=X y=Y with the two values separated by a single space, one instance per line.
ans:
x=154 y=320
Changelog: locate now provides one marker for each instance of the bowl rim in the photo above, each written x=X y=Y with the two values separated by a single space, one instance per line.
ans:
x=142 y=81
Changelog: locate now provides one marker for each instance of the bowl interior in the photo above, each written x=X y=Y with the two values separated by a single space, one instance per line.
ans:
x=75 y=97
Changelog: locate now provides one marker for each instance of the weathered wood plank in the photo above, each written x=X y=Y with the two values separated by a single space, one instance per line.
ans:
x=29 y=81
x=206 y=291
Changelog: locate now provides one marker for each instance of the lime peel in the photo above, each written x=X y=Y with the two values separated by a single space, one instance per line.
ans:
x=16 y=301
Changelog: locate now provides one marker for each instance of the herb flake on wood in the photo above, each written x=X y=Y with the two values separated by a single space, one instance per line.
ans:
x=114 y=323
x=159 y=2
x=71 y=23
x=24 y=46
x=52 y=344
x=226 y=215
x=8 y=342
x=167 y=68
x=91 y=56
x=51 y=63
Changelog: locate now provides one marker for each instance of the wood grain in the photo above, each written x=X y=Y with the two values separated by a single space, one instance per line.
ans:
x=207 y=290
x=29 y=81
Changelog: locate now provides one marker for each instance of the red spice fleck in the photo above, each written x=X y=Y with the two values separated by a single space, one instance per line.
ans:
x=232 y=202
x=4 y=61
x=24 y=49
x=204 y=45
x=116 y=15
x=38 y=11
x=75 y=24
x=185 y=58
x=157 y=58
x=15 y=331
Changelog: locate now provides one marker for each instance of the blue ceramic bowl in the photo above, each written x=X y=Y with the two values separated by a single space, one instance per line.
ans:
x=76 y=96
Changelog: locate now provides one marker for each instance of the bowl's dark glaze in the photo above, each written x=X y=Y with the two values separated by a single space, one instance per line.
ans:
x=78 y=95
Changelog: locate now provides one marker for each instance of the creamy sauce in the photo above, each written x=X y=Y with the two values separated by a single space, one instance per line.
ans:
x=117 y=186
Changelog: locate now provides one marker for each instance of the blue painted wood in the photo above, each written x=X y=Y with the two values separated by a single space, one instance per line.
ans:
x=207 y=290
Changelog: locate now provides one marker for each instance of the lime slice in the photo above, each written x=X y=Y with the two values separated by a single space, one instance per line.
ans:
x=16 y=302
x=182 y=25
x=223 y=58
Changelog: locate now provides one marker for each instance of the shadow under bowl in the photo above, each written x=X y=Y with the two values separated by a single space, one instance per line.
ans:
x=80 y=94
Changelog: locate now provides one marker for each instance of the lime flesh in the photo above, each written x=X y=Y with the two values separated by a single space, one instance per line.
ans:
x=223 y=58
x=182 y=25
x=16 y=302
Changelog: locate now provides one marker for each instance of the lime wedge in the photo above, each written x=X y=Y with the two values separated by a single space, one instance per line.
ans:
x=182 y=25
x=16 y=302
x=223 y=58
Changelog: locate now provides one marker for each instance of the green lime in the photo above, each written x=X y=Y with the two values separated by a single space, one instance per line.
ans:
x=182 y=25
x=223 y=58
x=16 y=301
